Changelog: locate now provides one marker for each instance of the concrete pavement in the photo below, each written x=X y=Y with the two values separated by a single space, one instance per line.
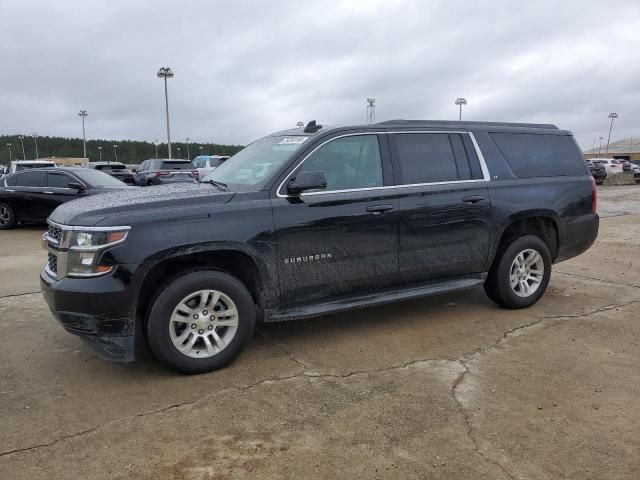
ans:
x=444 y=387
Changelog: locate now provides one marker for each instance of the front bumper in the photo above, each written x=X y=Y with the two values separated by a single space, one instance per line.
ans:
x=100 y=310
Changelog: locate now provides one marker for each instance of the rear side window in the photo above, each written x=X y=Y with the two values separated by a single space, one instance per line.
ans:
x=435 y=157
x=534 y=155
x=32 y=178
x=177 y=166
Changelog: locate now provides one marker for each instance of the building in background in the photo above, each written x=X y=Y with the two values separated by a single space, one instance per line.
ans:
x=67 y=161
x=625 y=149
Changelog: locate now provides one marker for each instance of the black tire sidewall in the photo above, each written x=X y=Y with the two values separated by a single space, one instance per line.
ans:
x=13 y=220
x=502 y=281
x=167 y=298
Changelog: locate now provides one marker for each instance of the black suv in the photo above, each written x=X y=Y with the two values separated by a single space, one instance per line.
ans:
x=318 y=220
x=115 y=169
x=156 y=171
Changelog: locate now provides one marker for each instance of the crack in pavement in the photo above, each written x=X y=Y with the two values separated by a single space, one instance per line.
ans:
x=598 y=279
x=305 y=374
x=19 y=294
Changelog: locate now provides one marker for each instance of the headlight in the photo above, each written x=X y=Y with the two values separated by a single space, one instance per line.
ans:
x=86 y=248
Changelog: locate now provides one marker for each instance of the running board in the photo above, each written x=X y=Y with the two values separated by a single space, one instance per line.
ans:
x=378 y=297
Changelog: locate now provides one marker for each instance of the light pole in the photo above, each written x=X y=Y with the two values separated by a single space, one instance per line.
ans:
x=612 y=115
x=83 y=114
x=178 y=152
x=35 y=139
x=600 y=147
x=460 y=101
x=165 y=72
x=371 y=110
x=21 y=137
x=188 y=155
x=201 y=148
x=100 y=153
x=115 y=152
x=155 y=143
x=9 y=145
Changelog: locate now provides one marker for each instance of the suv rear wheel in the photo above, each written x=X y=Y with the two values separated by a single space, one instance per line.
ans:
x=520 y=273
x=200 y=321
x=8 y=218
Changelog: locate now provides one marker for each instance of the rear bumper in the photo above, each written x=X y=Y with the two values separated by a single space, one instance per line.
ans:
x=99 y=310
x=577 y=236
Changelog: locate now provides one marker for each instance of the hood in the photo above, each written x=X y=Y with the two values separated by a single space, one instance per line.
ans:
x=124 y=202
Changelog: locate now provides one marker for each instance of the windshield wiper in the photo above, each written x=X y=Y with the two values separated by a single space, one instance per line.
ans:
x=219 y=185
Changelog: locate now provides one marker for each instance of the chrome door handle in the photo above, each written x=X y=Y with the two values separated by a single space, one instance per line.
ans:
x=46 y=191
x=473 y=199
x=379 y=209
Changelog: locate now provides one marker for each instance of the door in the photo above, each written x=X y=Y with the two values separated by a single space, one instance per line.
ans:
x=445 y=211
x=58 y=190
x=343 y=238
x=29 y=188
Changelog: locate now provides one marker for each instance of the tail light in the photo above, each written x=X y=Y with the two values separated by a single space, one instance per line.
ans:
x=162 y=173
x=594 y=193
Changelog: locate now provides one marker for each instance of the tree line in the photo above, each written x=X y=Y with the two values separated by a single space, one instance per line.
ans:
x=128 y=151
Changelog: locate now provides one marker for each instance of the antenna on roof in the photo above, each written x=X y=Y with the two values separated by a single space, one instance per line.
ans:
x=312 y=127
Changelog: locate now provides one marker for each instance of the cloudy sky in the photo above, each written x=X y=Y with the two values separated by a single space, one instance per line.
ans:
x=246 y=68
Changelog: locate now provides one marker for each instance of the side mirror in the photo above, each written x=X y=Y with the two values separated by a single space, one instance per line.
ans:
x=76 y=185
x=305 y=181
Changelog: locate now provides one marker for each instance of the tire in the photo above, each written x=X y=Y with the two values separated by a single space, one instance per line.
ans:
x=505 y=270
x=182 y=299
x=8 y=217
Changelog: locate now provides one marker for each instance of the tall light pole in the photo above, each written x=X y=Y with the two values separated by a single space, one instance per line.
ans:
x=35 y=139
x=100 y=153
x=155 y=143
x=21 y=137
x=115 y=152
x=371 y=110
x=612 y=115
x=165 y=72
x=460 y=102
x=178 y=152
x=83 y=114
x=201 y=148
x=600 y=147
x=188 y=155
x=9 y=145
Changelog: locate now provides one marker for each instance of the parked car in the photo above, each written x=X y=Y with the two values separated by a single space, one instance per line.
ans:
x=598 y=171
x=31 y=196
x=115 y=169
x=319 y=220
x=627 y=167
x=18 y=165
x=208 y=163
x=611 y=165
x=635 y=168
x=158 y=171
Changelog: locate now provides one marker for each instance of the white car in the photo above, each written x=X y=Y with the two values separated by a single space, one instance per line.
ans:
x=18 y=165
x=611 y=165
x=208 y=163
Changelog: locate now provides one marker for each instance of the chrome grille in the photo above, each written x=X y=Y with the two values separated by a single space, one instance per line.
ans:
x=52 y=262
x=54 y=233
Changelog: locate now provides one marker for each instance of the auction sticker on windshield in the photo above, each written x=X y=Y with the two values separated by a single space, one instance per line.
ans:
x=292 y=140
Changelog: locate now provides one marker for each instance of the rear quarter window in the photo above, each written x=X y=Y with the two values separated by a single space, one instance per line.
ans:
x=535 y=155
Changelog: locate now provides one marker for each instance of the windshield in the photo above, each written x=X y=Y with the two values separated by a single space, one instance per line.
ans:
x=111 y=167
x=177 y=165
x=255 y=165
x=98 y=179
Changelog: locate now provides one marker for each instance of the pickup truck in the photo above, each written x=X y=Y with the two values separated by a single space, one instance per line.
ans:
x=317 y=220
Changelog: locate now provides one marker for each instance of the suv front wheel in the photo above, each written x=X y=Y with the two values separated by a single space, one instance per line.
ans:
x=520 y=273
x=200 y=321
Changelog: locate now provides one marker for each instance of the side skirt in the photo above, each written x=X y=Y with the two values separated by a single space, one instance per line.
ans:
x=373 y=298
